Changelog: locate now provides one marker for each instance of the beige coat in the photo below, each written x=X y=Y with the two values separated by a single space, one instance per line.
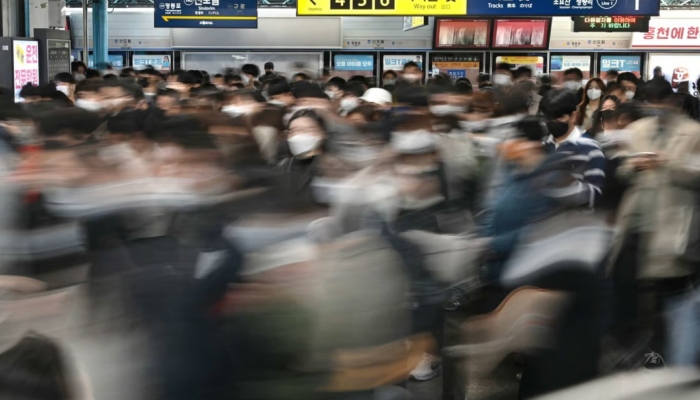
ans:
x=661 y=203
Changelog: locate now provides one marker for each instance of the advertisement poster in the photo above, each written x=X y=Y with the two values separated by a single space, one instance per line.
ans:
x=678 y=68
x=396 y=62
x=535 y=63
x=414 y=22
x=671 y=33
x=277 y=3
x=621 y=63
x=116 y=61
x=462 y=33
x=560 y=63
x=467 y=66
x=26 y=64
x=347 y=65
x=158 y=62
x=521 y=33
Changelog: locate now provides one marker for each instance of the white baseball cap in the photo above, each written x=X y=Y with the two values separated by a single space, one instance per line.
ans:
x=377 y=96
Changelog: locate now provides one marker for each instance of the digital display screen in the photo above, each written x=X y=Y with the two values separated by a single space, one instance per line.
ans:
x=521 y=33
x=376 y=8
x=611 y=24
x=463 y=33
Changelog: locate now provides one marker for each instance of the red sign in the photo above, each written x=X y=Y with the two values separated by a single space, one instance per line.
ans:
x=669 y=33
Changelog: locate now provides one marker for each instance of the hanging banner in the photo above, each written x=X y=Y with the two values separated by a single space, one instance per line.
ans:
x=26 y=64
x=563 y=8
x=353 y=62
x=240 y=14
x=668 y=33
x=462 y=66
x=620 y=63
x=396 y=62
x=158 y=62
x=560 y=63
x=535 y=63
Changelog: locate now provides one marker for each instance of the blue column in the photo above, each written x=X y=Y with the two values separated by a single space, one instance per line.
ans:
x=100 y=41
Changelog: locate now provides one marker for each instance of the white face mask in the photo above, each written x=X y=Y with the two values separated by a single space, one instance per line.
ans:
x=79 y=77
x=349 y=103
x=245 y=79
x=446 y=109
x=89 y=105
x=389 y=81
x=412 y=77
x=474 y=126
x=594 y=94
x=114 y=103
x=302 y=143
x=360 y=154
x=277 y=103
x=235 y=111
x=330 y=94
x=416 y=142
x=502 y=80
x=64 y=89
x=572 y=85
x=616 y=134
x=629 y=95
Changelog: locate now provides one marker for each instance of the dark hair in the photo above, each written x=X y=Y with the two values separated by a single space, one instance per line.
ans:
x=75 y=65
x=337 y=82
x=574 y=71
x=64 y=77
x=612 y=73
x=196 y=74
x=172 y=93
x=308 y=113
x=34 y=369
x=68 y=120
x=88 y=86
x=410 y=95
x=367 y=111
x=463 y=86
x=354 y=88
x=218 y=76
x=92 y=74
x=126 y=122
x=411 y=64
x=359 y=78
x=531 y=128
x=251 y=69
x=515 y=102
x=128 y=88
x=586 y=100
x=390 y=71
x=301 y=76
x=269 y=65
x=629 y=77
x=503 y=66
x=558 y=102
x=305 y=89
x=655 y=91
x=110 y=77
x=522 y=71
x=228 y=78
x=187 y=78
x=278 y=86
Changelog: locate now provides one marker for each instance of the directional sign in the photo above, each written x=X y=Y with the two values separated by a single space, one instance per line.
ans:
x=503 y=8
x=611 y=24
x=382 y=7
x=206 y=14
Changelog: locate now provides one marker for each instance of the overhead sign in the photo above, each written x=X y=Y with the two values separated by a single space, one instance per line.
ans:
x=381 y=44
x=504 y=8
x=414 y=22
x=373 y=8
x=158 y=62
x=631 y=23
x=620 y=63
x=26 y=64
x=562 y=44
x=353 y=62
x=114 y=60
x=535 y=63
x=458 y=66
x=669 y=33
x=241 y=14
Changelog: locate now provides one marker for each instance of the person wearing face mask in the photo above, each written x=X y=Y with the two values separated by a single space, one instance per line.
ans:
x=529 y=88
x=242 y=103
x=149 y=79
x=249 y=73
x=503 y=77
x=352 y=93
x=65 y=83
x=584 y=155
x=280 y=93
x=389 y=79
x=629 y=83
x=573 y=80
x=591 y=102
x=119 y=96
x=334 y=88
x=78 y=69
x=269 y=73
x=412 y=73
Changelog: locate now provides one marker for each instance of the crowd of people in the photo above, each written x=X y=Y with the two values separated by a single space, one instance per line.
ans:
x=318 y=238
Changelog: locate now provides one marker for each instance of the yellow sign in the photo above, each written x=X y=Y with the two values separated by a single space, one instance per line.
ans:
x=417 y=22
x=455 y=64
x=382 y=7
x=520 y=59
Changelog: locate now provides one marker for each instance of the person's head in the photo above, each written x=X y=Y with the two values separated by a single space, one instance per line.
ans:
x=269 y=68
x=593 y=91
x=658 y=72
x=377 y=98
x=67 y=127
x=513 y=103
x=525 y=148
x=280 y=92
x=128 y=73
x=87 y=95
x=614 y=89
x=503 y=75
x=629 y=83
x=559 y=109
x=184 y=82
x=306 y=133
x=611 y=75
x=117 y=96
x=65 y=83
x=412 y=72
x=351 y=96
x=573 y=78
x=443 y=102
x=35 y=368
x=301 y=77
x=522 y=73
x=628 y=113
x=389 y=77
x=656 y=93
x=93 y=74
x=126 y=127
x=219 y=81
x=244 y=102
x=249 y=72
x=168 y=100
x=360 y=79
x=362 y=114
x=335 y=87
x=605 y=117
x=78 y=69
x=484 y=80
x=683 y=87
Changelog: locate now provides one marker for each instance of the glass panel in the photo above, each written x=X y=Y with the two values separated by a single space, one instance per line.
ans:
x=286 y=64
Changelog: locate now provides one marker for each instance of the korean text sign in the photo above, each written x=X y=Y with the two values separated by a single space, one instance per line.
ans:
x=396 y=62
x=501 y=8
x=26 y=64
x=206 y=14
x=373 y=8
x=668 y=33
x=159 y=62
x=621 y=63
x=358 y=62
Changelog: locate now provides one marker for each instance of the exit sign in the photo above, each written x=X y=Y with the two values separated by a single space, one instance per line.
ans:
x=611 y=24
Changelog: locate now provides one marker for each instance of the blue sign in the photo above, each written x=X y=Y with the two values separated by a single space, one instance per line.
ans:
x=115 y=61
x=505 y=8
x=241 y=14
x=347 y=62
x=621 y=63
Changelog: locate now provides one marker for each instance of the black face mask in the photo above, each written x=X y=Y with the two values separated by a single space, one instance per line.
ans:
x=268 y=73
x=557 y=128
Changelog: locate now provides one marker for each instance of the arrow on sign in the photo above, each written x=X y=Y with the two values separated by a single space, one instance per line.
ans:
x=167 y=18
